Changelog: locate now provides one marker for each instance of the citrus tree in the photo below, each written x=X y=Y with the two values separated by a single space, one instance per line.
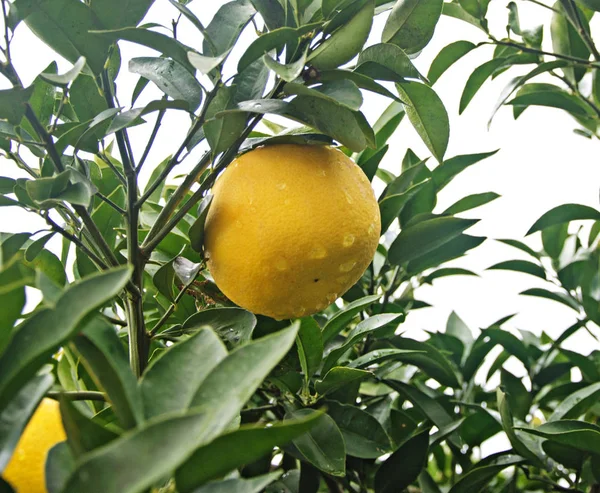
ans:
x=247 y=336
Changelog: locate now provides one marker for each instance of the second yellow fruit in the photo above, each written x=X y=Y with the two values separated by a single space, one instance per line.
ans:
x=26 y=469
x=290 y=229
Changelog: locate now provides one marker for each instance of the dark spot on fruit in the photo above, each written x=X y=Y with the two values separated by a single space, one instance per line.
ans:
x=316 y=280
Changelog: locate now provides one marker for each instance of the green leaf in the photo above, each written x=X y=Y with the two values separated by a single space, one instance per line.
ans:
x=12 y=103
x=363 y=435
x=234 y=325
x=374 y=325
x=310 y=346
x=362 y=81
x=64 y=25
x=411 y=24
x=176 y=436
x=133 y=117
x=425 y=236
x=271 y=11
x=470 y=202
x=341 y=319
x=270 y=41
x=171 y=77
x=34 y=249
x=288 y=72
x=248 y=366
x=17 y=413
x=106 y=361
x=403 y=467
x=338 y=377
x=237 y=448
x=222 y=130
x=552 y=295
x=564 y=213
x=567 y=41
x=458 y=328
x=170 y=382
x=226 y=26
x=196 y=231
x=386 y=61
x=537 y=94
x=12 y=299
x=322 y=446
x=115 y=14
x=344 y=92
x=453 y=249
x=520 y=246
x=252 y=485
x=59 y=466
x=448 y=271
x=478 y=477
x=83 y=433
x=443 y=174
x=427 y=114
x=456 y=11
x=518 y=397
x=523 y=266
x=511 y=343
x=205 y=64
x=326 y=116
x=477 y=79
x=577 y=403
x=522 y=444
x=392 y=205
x=50 y=327
x=346 y=41
x=577 y=434
x=447 y=57
x=429 y=359
x=66 y=78
x=553 y=239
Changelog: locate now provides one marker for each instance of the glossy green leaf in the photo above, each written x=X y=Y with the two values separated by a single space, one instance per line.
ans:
x=252 y=485
x=344 y=92
x=403 y=467
x=83 y=433
x=518 y=397
x=339 y=377
x=234 y=325
x=133 y=117
x=372 y=325
x=237 y=448
x=520 y=246
x=577 y=434
x=477 y=478
x=470 y=202
x=225 y=27
x=363 y=434
x=538 y=94
x=50 y=327
x=310 y=346
x=363 y=81
x=115 y=14
x=286 y=71
x=564 y=213
x=171 y=77
x=248 y=365
x=323 y=446
x=426 y=236
x=447 y=271
x=341 y=319
x=445 y=172
x=577 y=403
x=427 y=114
x=411 y=24
x=523 y=266
x=196 y=231
x=66 y=78
x=511 y=343
x=60 y=464
x=270 y=41
x=392 y=205
x=170 y=382
x=386 y=61
x=346 y=41
x=12 y=103
x=567 y=41
x=552 y=295
x=448 y=56
x=477 y=79
x=326 y=116
x=448 y=251
x=17 y=413
x=271 y=11
x=106 y=361
x=456 y=11
x=176 y=436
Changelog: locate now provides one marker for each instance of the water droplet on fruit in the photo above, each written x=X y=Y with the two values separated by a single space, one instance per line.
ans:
x=300 y=312
x=286 y=202
x=281 y=186
x=371 y=229
x=281 y=264
x=238 y=224
x=348 y=240
x=347 y=266
x=322 y=172
x=331 y=297
x=349 y=198
x=342 y=280
x=317 y=252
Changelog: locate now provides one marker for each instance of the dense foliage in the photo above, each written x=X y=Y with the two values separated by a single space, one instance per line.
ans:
x=163 y=384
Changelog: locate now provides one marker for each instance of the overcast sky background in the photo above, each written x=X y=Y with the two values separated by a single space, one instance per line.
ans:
x=541 y=164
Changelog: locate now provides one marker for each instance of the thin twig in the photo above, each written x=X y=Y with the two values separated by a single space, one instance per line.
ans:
x=150 y=143
x=76 y=395
x=104 y=198
x=59 y=110
x=583 y=32
x=544 y=5
x=114 y=320
x=115 y=170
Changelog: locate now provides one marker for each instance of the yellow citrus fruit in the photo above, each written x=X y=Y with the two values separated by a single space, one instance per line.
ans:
x=290 y=229
x=25 y=471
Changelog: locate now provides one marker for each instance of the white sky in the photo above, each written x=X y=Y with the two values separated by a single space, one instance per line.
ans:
x=541 y=164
